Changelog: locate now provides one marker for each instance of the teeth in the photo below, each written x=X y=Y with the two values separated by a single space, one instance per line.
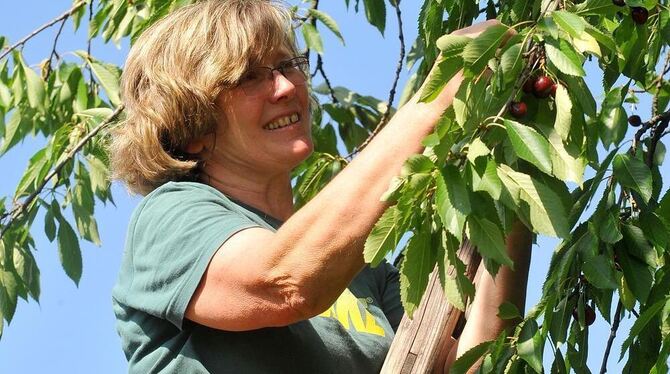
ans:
x=284 y=121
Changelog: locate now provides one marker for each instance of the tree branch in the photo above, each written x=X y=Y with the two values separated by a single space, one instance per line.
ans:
x=62 y=17
x=647 y=125
x=20 y=209
x=387 y=113
x=613 y=330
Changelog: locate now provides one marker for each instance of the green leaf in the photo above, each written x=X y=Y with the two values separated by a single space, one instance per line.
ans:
x=638 y=245
x=328 y=21
x=511 y=62
x=452 y=218
x=469 y=358
x=529 y=145
x=571 y=23
x=383 y=238
x=312 y=38
x=595 y=7
x=69 y=252
x=655 y=229
x=8 y=294
x=439 y=77
x=564 y=58
x=481 y=49
x=375 y=12
x=546 y=211
x=634 y=174
x=530 y=345
x=637 y=274
x=452 y=45
x=27 y=270
x=508 y=310
x=600 y=273
x=457 y=190
x=419 y=261
x=50 y=225
x=417 y=163
x=563 y=112
x=107 y=74
x=566 y=164
x=488 y=239
x=457 y=286
x=640 y=323
x=99 y=177
x=488 y=181
x=477 y=149
x=35 y=88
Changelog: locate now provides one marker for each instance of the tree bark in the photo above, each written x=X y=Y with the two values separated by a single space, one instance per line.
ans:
x=421 y=345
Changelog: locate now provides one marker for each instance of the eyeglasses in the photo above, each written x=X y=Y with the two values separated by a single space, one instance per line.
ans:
x=259 y=80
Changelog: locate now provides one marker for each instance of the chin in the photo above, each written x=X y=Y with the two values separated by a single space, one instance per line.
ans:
x=302 y=149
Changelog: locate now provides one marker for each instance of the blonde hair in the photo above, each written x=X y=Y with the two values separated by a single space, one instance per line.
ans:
x=173 y=74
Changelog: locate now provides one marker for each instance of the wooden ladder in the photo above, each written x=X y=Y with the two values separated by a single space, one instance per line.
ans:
x=422 y=344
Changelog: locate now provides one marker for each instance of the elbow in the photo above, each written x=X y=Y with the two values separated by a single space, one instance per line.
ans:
x=298 y=302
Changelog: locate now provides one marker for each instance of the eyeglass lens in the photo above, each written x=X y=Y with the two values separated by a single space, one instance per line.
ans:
x=260 y=80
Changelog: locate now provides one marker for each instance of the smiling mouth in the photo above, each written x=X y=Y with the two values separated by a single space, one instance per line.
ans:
x=283 y=122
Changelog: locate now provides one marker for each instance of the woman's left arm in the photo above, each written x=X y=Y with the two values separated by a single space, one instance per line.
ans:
x=483 y=323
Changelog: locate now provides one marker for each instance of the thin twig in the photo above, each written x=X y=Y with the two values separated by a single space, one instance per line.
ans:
x=319 y=68
x=613 y=330
x=312 y=20
x=88 y=45
x=21 y=208
x=53 y=49
x=387 y=113
x=63 y=16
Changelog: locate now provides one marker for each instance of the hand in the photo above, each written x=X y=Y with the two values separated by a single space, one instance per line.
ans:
x=473 y=31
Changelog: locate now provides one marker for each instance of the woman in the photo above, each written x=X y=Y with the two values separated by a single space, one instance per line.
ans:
x=220 y=274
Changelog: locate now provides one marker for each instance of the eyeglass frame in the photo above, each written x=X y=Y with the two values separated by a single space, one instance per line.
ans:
x=300 y=63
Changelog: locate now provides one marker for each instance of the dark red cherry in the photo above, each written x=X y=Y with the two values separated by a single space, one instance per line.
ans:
x=518 y=109
x=542 y=87
x=635 y=120
x=619 y=2
x=639 y=15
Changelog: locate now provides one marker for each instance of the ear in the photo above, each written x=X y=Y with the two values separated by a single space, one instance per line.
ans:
x=195 y=147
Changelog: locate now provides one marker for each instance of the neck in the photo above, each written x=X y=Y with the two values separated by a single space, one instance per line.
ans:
x=269 y=194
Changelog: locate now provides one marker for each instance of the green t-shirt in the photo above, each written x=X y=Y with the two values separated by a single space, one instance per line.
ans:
x=172 y=236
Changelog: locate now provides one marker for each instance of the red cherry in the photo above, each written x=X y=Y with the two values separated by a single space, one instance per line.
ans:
x=542 y=87
x=553 y=89
x=518 y=109
x=589 y=315
x=528 y=85
x=619 y=2
x=639 y=15
x=635 y=120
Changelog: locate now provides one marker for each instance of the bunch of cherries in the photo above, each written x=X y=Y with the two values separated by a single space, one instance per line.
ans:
x=541 y=87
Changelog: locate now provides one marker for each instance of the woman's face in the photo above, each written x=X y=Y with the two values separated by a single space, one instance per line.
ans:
x=264 y=129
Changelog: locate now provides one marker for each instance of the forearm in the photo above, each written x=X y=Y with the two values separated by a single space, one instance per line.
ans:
x=508 y=286
x=335 y=224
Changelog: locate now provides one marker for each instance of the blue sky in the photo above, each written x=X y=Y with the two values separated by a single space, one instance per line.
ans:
x=72 y=329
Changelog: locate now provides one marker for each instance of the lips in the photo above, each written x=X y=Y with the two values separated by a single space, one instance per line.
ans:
x=283 y=121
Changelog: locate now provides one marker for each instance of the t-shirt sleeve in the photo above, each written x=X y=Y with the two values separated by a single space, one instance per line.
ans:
x=174 y=237
x=391 y=304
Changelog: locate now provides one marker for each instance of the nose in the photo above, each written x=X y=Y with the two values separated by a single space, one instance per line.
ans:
x=283 y=88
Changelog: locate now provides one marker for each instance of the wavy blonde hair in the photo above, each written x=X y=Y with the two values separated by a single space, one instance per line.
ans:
x=173 y=74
